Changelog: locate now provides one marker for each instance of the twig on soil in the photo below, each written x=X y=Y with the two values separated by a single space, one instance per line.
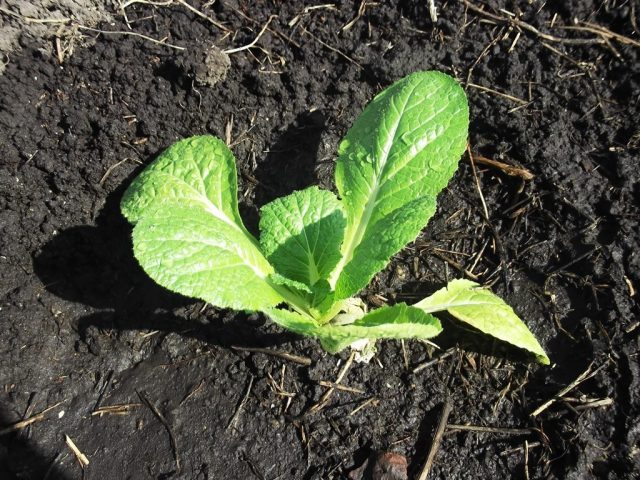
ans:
x=193 y=392
x=306 y=361
x=478 y=187
x=361 y=9
x=228 y=129
x=123 y=7
x=236 y=415
x=81 y=457
x=344 y=388
x=632 y=291
x=603 y=32
x=105 y=384
x=529 y=446
x=255 y=40
x=455 y=265
x=433 y=11
x=515 y=41
x=484 y=52
x=163 y=421
x=481 y=429
x=164 y=3
x=272 y=30
x=581 y=65
x=296 y=19
x=168 y=3
x=31 y=405
x=586 y=375
x=574 y=261
x=33 y=20
x=253 y=467
x=532 y=29
x=405 y=355
x=485 y=210
x=588 y=403
x=113 y=167
x=504 y=167
x=115 y=409
x=132 y=34
x=203 y=16
x=333 y=49
x=501 y=94
x=586 y=69
x=427 y=364
x=435 y=445
x=479 y=255
x=279 y=389
x=372 y=400
x=327 y=395
x=25 y=423
x=47 y=474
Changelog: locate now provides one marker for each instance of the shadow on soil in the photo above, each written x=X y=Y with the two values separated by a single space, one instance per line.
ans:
x=21 y=459
x=290 y=164
x=95 y=266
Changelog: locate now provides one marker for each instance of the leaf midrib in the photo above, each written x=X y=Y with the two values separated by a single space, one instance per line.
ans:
x=356 y=238
x=446 y=306
x=210 y=207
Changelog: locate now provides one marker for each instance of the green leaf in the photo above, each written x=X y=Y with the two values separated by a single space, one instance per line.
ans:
x=321 y=300
x=190 y=251
x=301 y=234
x=291 y=284
x=398 y=155
x=387 y=235
x=198 y=170
x=294 y=321
x=479 y=307
x=398 y=321
x=189 y=236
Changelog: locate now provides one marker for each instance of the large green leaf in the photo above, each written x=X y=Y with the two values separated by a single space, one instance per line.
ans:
x=398 y=321
x=301 y=234
x=198 y=170
x=479 y=307
x=189 y=236
x=190 y=251
x=398 y=155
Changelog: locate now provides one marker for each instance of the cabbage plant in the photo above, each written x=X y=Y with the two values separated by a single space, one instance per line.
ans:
x=316 y=249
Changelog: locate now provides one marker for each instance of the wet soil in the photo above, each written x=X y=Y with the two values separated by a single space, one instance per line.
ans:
x=83 y=328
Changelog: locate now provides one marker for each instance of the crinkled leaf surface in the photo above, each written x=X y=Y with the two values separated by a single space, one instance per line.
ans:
x=189 y=236
x=398 y=155
x=301 y=234
x=190 y=251
x=290 y=284
x=479 y=307
x=398 y=321
x=198 y=170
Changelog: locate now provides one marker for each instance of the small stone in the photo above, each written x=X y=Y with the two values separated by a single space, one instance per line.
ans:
x=211 y=66
x=390 y=466
x=387 y=466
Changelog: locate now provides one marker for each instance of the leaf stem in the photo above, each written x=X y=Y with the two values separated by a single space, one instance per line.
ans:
x=294 y=300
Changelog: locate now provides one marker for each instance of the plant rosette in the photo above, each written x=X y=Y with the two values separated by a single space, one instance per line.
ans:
x=316 y=249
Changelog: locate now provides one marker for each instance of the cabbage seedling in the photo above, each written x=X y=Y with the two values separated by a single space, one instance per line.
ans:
x=316 y=250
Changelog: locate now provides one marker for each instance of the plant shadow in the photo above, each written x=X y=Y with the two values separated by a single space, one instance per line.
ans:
x=20 y=458
x=94 y=266
x=290 y=164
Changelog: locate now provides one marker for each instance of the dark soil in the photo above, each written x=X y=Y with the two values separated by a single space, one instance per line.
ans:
x=83 y=327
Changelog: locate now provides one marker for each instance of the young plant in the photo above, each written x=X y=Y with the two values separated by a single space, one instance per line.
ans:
x=318 y=250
